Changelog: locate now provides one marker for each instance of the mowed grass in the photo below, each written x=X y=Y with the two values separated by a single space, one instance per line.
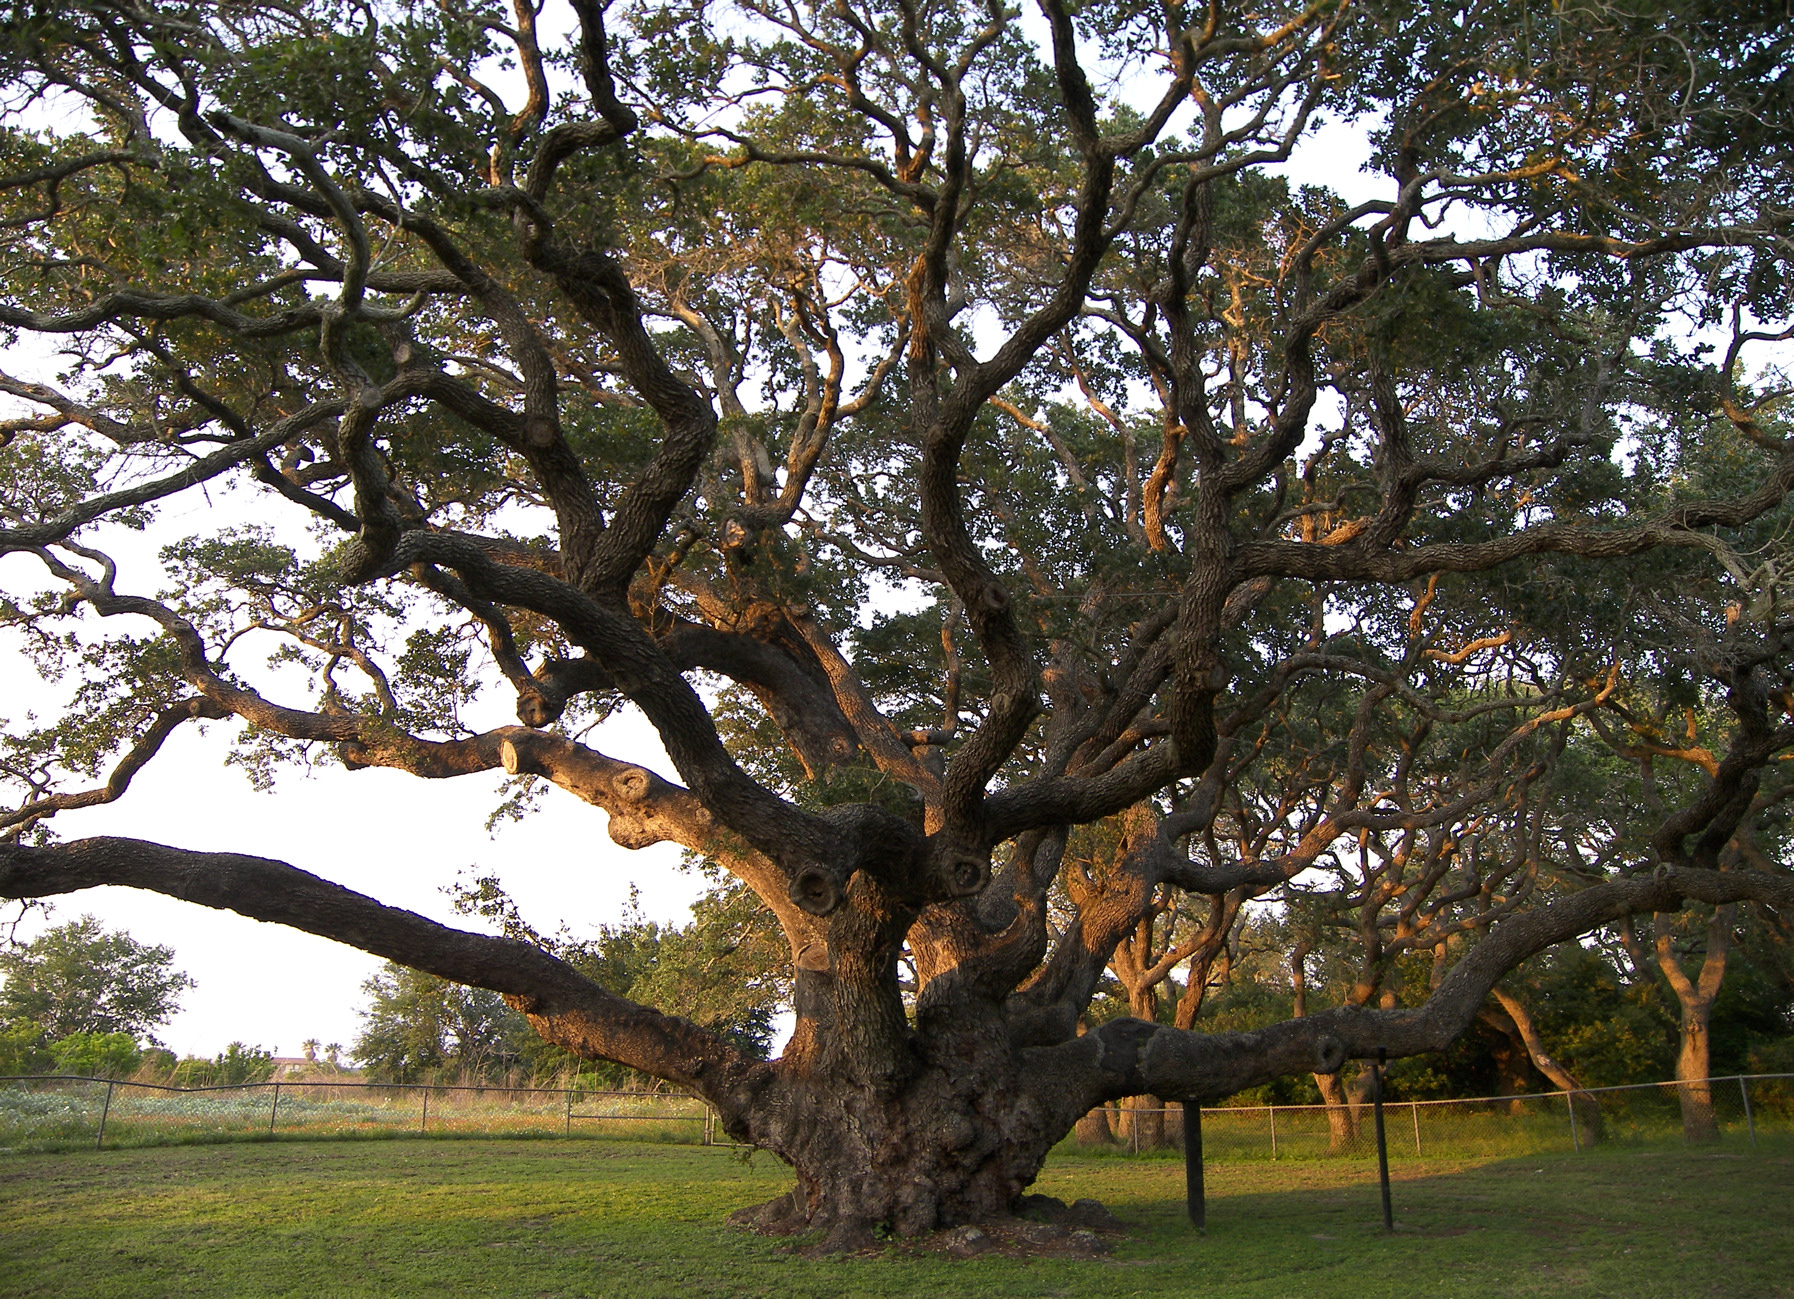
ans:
x=585 y=1218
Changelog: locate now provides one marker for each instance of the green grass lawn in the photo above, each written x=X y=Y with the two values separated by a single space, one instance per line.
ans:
x=543 y=1218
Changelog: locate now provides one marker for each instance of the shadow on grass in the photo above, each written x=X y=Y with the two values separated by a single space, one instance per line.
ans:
x=630 y=1222
x=1623 y=1221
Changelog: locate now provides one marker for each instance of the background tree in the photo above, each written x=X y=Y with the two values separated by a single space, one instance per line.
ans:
x=96 y=1055
x=417 y=1026
x=722 y=970
x=948 y=432
x=80 y=978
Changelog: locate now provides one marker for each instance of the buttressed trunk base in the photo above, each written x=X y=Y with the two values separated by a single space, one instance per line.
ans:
x=958 y=1143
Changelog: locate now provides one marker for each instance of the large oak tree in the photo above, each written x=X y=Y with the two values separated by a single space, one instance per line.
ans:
x=953 y=431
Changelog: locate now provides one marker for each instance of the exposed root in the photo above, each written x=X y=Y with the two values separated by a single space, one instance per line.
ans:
x=780 y=1216
x=1040 y=1227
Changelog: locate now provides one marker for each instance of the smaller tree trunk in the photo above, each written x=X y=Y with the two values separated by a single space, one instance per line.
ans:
x=1093 y=1129
x=1143 y=1122
x=1696 y=997
x=1582 y=1103
x=1342 y=1128
x=1342 y=1123
x=1694 y=1090
x=1510 y=1066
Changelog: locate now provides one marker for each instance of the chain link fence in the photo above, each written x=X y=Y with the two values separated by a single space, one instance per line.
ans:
x=1736 y=1107
x=62 y=1111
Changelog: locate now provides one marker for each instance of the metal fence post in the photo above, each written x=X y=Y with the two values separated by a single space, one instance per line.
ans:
x=1382 y=1143
x=423 y=1124
x=1575 y=1136
x=274 y=1109
x=1415 y=1106
x=1273 y=1110
x=569 y=1111
x=1750 y=1122
x=104 y=1111
x=1195 y=1197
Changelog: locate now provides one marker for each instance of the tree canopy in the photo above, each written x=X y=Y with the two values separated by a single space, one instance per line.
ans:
x=79 y=978
x=1018 y=503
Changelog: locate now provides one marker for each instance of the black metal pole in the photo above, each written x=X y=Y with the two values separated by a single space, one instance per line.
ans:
x=99 y=1140
x=1193 y=1191
x=1376 y=1091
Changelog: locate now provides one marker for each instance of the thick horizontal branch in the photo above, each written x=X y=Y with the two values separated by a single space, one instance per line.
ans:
x=1130 y=1057
x=563 y=1004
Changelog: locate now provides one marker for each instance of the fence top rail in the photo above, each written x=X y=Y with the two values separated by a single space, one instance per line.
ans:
x=1488 y=1100
x=366 y=1086
x=1694 y=1082
x=569 y=1092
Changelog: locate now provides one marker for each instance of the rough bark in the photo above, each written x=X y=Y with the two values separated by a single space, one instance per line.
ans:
x=1695 y=997
x=1342 y=1112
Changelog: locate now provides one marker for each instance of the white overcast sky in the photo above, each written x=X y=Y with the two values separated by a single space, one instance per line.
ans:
x=385 y=833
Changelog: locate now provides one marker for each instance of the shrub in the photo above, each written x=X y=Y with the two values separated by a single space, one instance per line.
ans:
x=97 y=1055
x=235 y=1065
x=22 y=1049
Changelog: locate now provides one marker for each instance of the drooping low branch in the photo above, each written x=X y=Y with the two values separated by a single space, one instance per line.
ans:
x=1130 y=1057
x=563 y=1005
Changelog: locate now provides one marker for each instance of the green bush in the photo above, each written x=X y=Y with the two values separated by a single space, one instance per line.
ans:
x=22 y=1049
x=237 y=1064
x=97 y=1055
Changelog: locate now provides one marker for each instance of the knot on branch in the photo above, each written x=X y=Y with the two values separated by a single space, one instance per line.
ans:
x=994 y=596
x=1329 y=1054
x=816 y=890
x=535 y=707
x=960 y=873
x=633 y=831
x=633 y=785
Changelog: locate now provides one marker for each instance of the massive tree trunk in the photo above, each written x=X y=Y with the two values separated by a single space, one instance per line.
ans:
x=958 y=1140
